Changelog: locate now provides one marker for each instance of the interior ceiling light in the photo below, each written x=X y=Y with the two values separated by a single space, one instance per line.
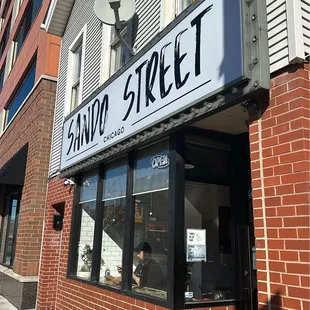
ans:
x=188 y=165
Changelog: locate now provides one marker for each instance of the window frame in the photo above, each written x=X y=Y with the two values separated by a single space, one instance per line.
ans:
x=115 y=44
x=2 y=73
x=107 y=54
x=170 y=10
x=5 y=36
x=32 y=11
x=127 y=258
x=5 y=230
x=5 y=10
x=79 y=42
x=176 y=239
x=32 y=65
x=76 y=76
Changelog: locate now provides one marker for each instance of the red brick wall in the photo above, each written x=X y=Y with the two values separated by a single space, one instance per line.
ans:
x=279 y=144
x=32 y=125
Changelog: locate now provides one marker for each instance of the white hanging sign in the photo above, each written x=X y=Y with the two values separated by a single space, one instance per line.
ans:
x=198 y=57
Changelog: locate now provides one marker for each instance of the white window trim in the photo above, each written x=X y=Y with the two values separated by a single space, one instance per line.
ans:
x=71 y=53
x=169 y=10
x=2 y=119
x=107 y=49
x=1 y=23
x=16 y=8
x=10 y=59
x=113 y=43
x=105 y=53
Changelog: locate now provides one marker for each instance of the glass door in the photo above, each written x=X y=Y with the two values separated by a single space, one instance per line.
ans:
x=13 y=206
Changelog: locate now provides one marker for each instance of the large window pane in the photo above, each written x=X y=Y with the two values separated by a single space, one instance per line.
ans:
x=151 y=176
x=87 y=207
x=208 y=232
x=151 y=171
x=12 y=207
x=1 y=78
x=31 y=14
x=207 y=209
x=5 y=36
x=22 y=93
x=114 y=193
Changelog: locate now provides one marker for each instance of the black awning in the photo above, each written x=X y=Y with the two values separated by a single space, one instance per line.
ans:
x=13 y=171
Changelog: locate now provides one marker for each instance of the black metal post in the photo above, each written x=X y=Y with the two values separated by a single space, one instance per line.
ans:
x=176 y=256
x=75 y=229
x=96 y=255
x=129 y=228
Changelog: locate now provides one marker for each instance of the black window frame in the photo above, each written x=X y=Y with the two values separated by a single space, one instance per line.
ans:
x=6 y=8
x=176 y=258
x=32 y=66
x=2 y=72
x=5 y=230
x=5 y=36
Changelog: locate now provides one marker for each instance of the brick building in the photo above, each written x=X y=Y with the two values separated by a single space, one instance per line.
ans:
x=229 y=167
x=29 y=60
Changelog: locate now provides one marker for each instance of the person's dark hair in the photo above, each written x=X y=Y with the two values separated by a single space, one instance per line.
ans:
x=143 y=246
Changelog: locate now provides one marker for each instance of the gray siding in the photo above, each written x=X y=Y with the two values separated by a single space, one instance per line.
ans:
x=305 y=11
x=148 y=21
x=82 y=13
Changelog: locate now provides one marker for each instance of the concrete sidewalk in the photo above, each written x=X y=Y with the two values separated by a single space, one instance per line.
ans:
x=5 y=305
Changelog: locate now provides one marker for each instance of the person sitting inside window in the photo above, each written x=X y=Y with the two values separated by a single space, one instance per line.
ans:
x=147 y=272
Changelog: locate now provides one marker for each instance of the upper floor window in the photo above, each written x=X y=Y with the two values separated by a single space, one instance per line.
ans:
x=28 y=19
x=10 y=224
x=171 y=8
x=181 y=5
x=119 y=53
x=1 y=23
x=1 y=78
x=22 y=93
x=76 y=76
x=75 y=72
x=6 y=8
x=5 y=37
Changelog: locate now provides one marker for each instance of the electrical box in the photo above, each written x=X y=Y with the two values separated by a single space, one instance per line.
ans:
x=57 y=222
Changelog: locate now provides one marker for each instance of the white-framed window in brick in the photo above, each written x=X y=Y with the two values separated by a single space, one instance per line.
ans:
x=75 y=71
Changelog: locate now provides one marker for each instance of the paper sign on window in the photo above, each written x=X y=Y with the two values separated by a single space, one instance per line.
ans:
x=196 y=245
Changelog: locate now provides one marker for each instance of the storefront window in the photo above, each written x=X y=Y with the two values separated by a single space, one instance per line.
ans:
x=150 y=191
x=128 y=226
x=210 y=274
x=87 y=207
x=12 y=204
x=113 y=203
